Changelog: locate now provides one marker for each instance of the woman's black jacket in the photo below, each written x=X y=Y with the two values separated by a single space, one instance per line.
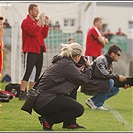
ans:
x=63 y=77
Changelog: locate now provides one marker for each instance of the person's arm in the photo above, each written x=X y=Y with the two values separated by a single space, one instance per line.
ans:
x=103 y=40
x=1 y=38
x=100 y=69
x=97 y=34
x=31 y=29
x=73 y=74
x=44 y=26
x=40 y=20
x=1 y=35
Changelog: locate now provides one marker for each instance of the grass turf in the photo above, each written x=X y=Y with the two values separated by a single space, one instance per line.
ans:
x=117 y=118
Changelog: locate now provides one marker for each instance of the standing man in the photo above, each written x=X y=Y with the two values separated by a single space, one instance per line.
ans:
x=33 y=33
x=95 y=41
x=1 y=46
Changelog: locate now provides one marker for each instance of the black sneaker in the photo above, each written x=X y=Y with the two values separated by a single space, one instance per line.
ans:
x=4 y=99
x=2 y=95
x=73 y=126
x=46 y=125
x=22 y=95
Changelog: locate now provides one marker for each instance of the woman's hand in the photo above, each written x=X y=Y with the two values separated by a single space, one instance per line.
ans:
x=87 y=61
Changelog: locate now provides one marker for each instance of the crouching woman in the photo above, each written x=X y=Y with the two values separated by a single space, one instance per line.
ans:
x=59 y=83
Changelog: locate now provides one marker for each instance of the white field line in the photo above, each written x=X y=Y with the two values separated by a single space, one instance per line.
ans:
x=119 y=117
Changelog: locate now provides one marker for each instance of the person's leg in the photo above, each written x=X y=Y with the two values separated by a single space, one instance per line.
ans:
x=100 y=98
x=67 y=109
x=113 y=89
x=39 y=65
x=29 y=61
x=36 y=70
x=74 y=96
x=32 y=78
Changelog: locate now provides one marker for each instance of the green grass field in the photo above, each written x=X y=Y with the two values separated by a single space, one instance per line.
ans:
x=117 y=118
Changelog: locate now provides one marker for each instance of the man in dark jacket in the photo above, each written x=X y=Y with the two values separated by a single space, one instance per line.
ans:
x=103 y=81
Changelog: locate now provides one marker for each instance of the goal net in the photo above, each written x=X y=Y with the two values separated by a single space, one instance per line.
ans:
x=74 y=18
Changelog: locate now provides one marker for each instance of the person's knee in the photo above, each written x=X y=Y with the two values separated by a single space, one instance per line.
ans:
x=80 y=110
x=116 y=90
x=111 y=81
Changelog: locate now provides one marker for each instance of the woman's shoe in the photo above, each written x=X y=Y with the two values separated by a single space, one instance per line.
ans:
x=73 y=126
x=46 y=125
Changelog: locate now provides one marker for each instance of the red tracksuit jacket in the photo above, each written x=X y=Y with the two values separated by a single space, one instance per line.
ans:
x=33 y=35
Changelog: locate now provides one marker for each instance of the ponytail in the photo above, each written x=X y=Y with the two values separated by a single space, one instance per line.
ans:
x=71 y=50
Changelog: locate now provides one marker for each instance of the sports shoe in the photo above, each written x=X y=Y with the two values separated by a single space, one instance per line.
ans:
x=22 y=95
x=4 y=99
x=101 y=108
x=90 y=103
x=73 y=126
x=46 y=125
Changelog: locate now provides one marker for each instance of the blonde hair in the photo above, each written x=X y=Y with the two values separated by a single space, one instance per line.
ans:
x=71 y=50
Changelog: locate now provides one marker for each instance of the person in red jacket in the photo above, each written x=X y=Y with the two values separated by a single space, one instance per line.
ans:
x=120 y=33
x=1 y=47
x=33 y=34
x=95 y=41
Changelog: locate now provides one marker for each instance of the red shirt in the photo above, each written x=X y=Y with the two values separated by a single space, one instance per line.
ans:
x=1 y=58
x=93 y=46
x=33 y=35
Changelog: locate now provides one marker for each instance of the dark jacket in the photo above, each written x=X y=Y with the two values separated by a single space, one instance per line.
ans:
x=63 y=76
x=101 y=73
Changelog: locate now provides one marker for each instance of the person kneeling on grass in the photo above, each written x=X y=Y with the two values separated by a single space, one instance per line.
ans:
x=57 y=103
x=103 y=83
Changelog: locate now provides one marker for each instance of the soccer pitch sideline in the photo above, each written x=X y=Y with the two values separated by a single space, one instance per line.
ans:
x=117 y=118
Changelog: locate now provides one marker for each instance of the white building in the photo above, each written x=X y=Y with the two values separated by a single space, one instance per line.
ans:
x=71 y=15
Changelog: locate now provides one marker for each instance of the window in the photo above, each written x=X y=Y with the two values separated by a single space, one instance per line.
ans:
x=130 y=25
x=104 y=27
x=69 y=22
x=65 y=22
x=72 y=22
